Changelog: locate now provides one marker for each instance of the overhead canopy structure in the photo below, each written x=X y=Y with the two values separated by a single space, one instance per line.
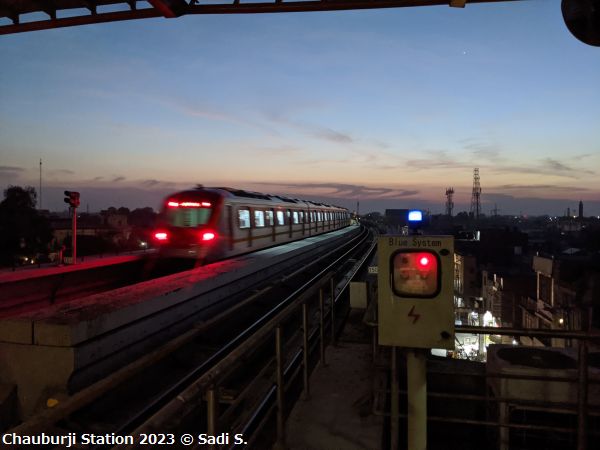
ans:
x=582 y=17
x=29 y=15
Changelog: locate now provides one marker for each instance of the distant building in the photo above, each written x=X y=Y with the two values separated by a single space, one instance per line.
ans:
x=501 y=293
x=118 y=221
x=566 y=297
x=467 y=287
x=112 y=227
x=580 y=209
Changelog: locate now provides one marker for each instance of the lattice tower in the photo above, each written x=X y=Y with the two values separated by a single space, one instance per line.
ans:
x=476 y=195
x=449 y=201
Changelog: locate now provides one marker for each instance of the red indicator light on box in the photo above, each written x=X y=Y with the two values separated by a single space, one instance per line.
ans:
x=424 y=261
x=161 y=236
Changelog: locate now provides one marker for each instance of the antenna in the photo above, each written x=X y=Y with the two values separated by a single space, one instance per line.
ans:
x=476 y=195
x=449 y=201
x=495 y=210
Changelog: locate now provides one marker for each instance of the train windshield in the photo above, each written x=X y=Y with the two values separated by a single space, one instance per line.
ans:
x=188 y=217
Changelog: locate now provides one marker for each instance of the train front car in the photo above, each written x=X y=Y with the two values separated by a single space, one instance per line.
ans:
x=188 y=225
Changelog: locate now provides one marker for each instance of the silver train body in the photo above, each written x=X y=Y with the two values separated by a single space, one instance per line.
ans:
x=215 y=223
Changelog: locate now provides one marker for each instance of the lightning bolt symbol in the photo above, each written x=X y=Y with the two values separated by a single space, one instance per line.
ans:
x=412 y=314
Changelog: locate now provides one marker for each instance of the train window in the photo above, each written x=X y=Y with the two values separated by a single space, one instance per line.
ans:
x=259 y=219
x=269 y=218
x=320 y=216
x=280 y=218
x=301 y=216
x=244 y=216
x=188 y=217
x=295 y=215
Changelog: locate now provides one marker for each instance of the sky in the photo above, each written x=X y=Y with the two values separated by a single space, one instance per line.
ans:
x=385 y=107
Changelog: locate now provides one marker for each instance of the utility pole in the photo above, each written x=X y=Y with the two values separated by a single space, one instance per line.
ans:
x=40 y=204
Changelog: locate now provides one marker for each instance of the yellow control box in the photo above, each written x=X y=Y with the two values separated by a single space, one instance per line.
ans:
x=415 y=283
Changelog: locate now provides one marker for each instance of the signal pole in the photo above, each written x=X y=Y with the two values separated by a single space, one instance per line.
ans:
x=72 y=198
x=74 y=235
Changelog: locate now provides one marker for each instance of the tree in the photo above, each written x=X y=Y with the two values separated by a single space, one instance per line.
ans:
x=143 y=217
x=23 y=231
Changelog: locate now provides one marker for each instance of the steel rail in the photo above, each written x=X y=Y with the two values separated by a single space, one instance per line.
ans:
x=221 y=355
x=253 y=335
x=313 y=345
x=87 y=395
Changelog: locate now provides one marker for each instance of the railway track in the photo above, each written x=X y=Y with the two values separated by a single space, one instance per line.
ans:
x=226 y=360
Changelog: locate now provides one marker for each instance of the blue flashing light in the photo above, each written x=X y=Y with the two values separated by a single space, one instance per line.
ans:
x=415 y=216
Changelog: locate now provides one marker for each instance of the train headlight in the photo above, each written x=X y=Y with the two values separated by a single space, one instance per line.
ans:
x=161 y=236
x=208 y=236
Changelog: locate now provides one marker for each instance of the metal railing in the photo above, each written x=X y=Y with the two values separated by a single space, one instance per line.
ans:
x=317 y=299
x=508 y=403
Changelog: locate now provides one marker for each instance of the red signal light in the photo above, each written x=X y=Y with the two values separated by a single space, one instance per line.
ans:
x=173 y=204
x=424 y=262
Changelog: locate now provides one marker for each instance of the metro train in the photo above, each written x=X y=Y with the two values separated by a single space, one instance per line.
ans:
x=214 y=223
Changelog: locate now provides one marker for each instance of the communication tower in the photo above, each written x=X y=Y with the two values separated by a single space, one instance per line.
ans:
x=476 y=195
x=495 y=210
x=449 y=201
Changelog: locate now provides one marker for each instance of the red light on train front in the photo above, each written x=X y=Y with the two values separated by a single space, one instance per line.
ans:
x=208 y=236
x=161 y=236
x=174 y=204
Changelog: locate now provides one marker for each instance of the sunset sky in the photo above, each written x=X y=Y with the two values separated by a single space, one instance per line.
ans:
x=388 y=107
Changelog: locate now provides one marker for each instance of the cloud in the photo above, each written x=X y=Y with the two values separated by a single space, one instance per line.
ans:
x=62 y=172
x=439 y=159
x=313 y=130
x=330 y=135
x=540 y=186
x=283 y=150
x=558 y=166
x=152 y=183
x=340 y=190
x=118 y=179
x=10 y=171
x=488 y=152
